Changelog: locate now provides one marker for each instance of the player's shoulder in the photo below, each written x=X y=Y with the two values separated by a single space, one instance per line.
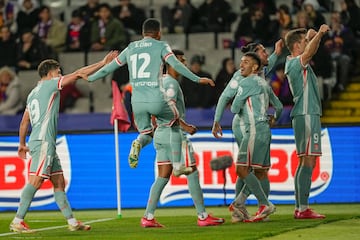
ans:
x=49 y=82
x=237 y=75
x=250 y=80
x=292 y=63
x=235 y=80
x=292 y=60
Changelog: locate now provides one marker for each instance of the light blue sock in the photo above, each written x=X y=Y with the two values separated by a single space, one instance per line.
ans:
x=265 y=184
x=196 y=191
x=254 y=186
x=304 y=185
x=63 y=204
x=238 y=186
x=26 y=198
x=296 y=184
x=155 y=192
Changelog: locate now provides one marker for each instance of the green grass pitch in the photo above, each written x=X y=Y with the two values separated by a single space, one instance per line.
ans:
x=342 y=222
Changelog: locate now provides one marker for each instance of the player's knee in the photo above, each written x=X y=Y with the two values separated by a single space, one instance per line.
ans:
x=242 y=171
x=261 y=173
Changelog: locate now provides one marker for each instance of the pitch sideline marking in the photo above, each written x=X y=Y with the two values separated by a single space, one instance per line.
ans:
x=54 y=227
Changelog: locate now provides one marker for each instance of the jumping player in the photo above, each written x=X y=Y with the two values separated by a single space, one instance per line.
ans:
x=164 y=156
x=145 y=59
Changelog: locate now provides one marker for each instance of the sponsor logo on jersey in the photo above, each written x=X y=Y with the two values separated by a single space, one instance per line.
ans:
x=146 y=84
x=283 y=166
x=14 y=174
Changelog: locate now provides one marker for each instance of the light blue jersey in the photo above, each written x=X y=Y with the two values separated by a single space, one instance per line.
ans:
x=164 y=132
x=145 y=59
x=231 y=89
x=227 y=95
x=251 y=106
x=174 y=93
x=304 y=88
x=252 y=100
x=43 y=106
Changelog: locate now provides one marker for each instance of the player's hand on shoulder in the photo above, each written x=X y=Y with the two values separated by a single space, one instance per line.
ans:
x=207 y=81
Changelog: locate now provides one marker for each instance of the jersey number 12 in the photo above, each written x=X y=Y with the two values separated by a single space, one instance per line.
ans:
x=140 y=73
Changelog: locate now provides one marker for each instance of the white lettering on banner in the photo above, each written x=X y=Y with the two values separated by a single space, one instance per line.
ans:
x=14 y=175
x=283 y=166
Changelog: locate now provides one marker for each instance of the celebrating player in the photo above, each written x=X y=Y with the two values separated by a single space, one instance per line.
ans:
x=251 y=104
x=306 y=112
x=164 y=156
x=41 y=112
x=145 y=59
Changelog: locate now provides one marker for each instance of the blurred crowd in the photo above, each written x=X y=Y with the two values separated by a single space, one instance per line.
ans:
x=30 y=33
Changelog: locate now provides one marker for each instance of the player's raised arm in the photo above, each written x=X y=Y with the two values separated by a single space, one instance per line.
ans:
x=272 y=60
x=276 y=103
x=313 y=45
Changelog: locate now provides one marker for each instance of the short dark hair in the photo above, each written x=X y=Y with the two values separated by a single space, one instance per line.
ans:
x=44 y=7
x=104 y=5
x=178 y=52
x=76 y=13
x=151 y=25
x=46 y=66
x=254 y=56
x=250 y=47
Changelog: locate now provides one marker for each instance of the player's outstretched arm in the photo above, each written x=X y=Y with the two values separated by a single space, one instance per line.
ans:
x=183 y=70
x=96 y=66
x=279 y=45
x=85 y=71
x=108 y=68
x=313 y=45
x=23 y=129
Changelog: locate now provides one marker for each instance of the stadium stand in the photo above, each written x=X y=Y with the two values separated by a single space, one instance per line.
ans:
x=28 y=80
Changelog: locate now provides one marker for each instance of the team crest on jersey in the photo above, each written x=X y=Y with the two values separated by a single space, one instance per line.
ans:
x=15 y=174
x=170 y=92
x=234 y=84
